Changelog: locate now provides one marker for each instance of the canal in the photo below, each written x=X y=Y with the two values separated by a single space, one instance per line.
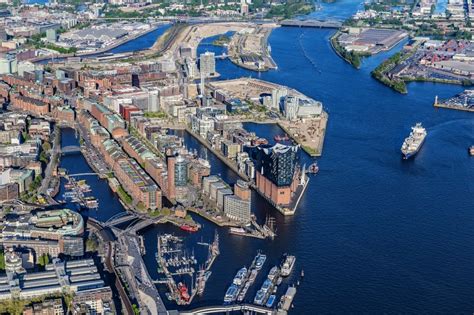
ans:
x=75 y=163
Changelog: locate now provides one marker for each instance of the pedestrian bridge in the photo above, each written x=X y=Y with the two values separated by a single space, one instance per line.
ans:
x=232 y=308
x=71 y=149
x=83 y=174
x=119 y=218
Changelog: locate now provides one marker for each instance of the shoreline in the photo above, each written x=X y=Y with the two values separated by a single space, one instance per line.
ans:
x=460 y=108
x=99 y=51
x=269 y=62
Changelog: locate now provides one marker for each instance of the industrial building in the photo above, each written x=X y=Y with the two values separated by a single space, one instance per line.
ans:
x=58 y=277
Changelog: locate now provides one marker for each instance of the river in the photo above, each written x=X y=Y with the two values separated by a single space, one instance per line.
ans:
x=374 y=233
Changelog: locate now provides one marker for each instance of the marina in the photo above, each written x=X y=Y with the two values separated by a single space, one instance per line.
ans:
x=76 y=192
x=185 y=276
x=243 y=280
x=267 y=294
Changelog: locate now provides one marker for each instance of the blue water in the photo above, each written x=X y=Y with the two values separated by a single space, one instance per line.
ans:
x=339 y=10
x=41 y=2
x=374 y=233
x=143 y=42
x=441 y=6
x=75 y=163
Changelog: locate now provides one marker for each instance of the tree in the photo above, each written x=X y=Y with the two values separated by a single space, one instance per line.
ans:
x=2 y=260
x=43 y=260
x=136 y=310
x=91 y=244
x=44 y=157
x=46 y=146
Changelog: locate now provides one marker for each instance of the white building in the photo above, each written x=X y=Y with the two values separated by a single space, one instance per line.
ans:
x=290 y=107
x=277 y=95
x=8 y=64
x=202 y=125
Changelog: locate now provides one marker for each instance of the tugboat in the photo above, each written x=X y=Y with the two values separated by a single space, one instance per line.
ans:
x=414 y=141
x=188 y=228
x=183 y=291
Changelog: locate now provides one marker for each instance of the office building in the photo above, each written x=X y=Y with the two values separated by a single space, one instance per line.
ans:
x=46 y=307
x=8 y=64
x=230 y=149
x=244 y=8
x=51 y=35
x=290 y=107
x=277 y=95
x=181 y=172
x=206 y=183
x=297 y=108
x=207 y=64
x=137 y=183
x=237 y=209
x=44 y=225
x=221 y=193
x=72 y=246
x=94 y=301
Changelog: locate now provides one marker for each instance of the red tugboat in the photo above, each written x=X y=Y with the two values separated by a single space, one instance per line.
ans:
x=279 y=138
x=188 y=228
x=183 y=291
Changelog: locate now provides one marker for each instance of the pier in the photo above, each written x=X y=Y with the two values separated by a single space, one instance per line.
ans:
x=232 y=308
x=169 y=245
x=134 y=272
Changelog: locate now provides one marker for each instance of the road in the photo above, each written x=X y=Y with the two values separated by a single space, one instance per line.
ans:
x=54 y=159
x=140 y=283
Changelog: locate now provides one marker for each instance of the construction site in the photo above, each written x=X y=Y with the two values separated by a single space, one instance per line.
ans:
x=249 y=48
x=307 y=126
